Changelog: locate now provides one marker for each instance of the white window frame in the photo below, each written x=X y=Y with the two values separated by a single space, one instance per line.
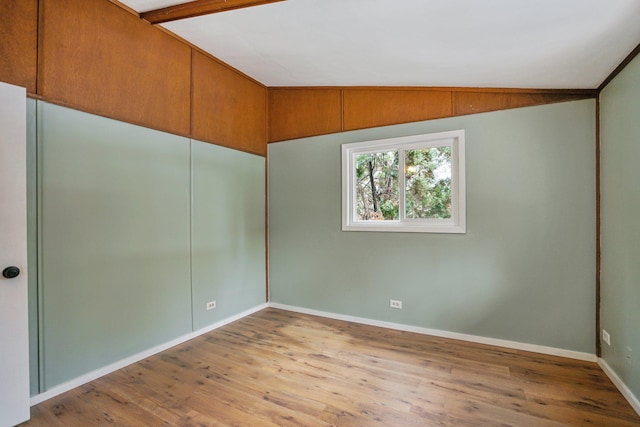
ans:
x=455 y=224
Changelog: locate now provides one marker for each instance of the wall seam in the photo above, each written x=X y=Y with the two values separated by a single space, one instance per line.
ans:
x=598 y=230
x=39 y=239
x=191 y=210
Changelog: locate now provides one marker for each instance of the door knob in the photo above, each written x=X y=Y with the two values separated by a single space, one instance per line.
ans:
x=10 y=272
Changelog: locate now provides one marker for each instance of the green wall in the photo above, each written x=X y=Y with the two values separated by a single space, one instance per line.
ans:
x=124 y=213
x=620 y=210
x=32 y=244
x=229 y=232
x=525 y=269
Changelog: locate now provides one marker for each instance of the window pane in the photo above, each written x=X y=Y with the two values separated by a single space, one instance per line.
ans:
x=410 y=184
x=377 y=186
x=428 y=183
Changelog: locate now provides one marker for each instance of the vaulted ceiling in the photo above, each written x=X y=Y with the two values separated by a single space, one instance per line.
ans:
x=460 y=43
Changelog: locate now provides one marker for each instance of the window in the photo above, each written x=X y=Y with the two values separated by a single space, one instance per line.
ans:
x=409 y=184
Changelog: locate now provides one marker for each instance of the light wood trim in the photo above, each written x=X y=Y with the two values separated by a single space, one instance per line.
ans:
x=198 y=8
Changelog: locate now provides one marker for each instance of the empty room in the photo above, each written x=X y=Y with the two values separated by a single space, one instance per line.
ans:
x=319 y=213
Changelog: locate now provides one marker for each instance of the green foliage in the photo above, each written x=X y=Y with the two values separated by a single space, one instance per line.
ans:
x=427 y=184
x=377 y=186
x=389 y=209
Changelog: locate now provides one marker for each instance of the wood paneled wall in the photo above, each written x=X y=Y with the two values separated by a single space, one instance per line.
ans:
x=19 y=42
x=473 y=101
x=97 y=57
x=365 y=108
x=295 y=113
x=228 y=109
x=302 y=112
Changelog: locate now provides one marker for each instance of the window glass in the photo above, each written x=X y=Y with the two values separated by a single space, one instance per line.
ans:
x=377 y=186
x=414 y=183
x=428 y=183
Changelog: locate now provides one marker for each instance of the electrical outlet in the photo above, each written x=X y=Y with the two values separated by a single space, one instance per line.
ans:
x=606 y=337
x=629 y=356
x=395 y=303
x=211 y=305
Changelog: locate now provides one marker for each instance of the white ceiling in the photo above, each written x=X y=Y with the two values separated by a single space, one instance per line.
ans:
x=468 y=43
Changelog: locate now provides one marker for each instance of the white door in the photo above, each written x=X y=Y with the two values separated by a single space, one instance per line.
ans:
x=14 y=329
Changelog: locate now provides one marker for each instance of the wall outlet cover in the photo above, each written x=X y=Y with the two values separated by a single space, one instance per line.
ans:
x=395 y=303
x=606 y=337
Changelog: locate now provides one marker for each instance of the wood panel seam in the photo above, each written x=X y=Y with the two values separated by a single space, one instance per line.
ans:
x=342 y=110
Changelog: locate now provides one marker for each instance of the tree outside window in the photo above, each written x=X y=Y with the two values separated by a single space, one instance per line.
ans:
x=405 y=184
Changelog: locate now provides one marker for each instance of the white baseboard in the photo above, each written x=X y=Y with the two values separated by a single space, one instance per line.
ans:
x=624 y=390
x=76 y=382
x=444 y=334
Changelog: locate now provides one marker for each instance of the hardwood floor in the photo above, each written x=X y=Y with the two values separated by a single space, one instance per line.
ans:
x=277 y=368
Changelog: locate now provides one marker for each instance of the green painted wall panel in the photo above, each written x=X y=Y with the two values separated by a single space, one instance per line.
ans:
x=620 y=210
x=115 y=240
x=228 y=232
x=524 y=271
x=32 y=245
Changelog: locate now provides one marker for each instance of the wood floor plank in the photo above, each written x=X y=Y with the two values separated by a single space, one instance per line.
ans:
x=279 y=368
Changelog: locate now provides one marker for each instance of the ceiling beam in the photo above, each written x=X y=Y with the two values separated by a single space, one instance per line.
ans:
x=198 y=8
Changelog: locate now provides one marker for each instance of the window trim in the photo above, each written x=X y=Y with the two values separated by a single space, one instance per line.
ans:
x=455 y=224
